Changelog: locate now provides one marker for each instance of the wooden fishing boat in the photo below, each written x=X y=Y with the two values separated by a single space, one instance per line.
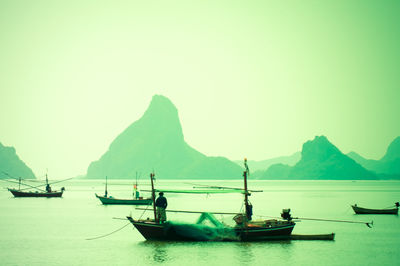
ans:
x=39 y=193
x=109 y=200
x=170 y=231
x=112 y=200
x=313 y=237
x=52 y=194
x=245 y=229
x=360 y=210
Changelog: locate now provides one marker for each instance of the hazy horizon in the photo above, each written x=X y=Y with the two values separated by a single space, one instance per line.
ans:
x=253 y=80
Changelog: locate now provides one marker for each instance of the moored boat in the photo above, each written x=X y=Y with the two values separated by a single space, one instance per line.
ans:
x=313 y=237
x=170 y=231
x=51 y=194
x=136 y=200
x=245 y=229
x=112 y=200
x=39 y=193
x=360 y=210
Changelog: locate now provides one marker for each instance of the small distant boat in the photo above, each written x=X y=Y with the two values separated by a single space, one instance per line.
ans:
x=108 y=200
x=112 y=200
x=47 y=193
x=52 y=194
x=360 y=210
x=313 y=237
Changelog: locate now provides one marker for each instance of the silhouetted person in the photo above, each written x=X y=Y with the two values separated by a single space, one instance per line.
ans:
x=249 y=212
x=48 y=188
x=161 y=204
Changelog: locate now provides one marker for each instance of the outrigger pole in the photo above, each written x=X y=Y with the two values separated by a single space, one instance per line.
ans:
x=29 y=186
x=369 y=224
x=222 y=188
x=227 y=213
x=49 y=183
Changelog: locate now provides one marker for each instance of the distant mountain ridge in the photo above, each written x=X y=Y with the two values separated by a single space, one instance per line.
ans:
x=265 y=164
x=388 y=165
x=11 y=164
x=156 y=142
x=320 y=159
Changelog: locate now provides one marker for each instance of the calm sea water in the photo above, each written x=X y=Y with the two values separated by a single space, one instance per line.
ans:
x=37 y=231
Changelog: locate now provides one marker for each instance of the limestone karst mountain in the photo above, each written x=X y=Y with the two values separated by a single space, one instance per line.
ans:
x=388 y=165
x=320 y=159
x=11 y=164
x=156 y=142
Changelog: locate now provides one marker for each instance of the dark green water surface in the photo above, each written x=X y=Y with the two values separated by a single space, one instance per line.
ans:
x=40 y=231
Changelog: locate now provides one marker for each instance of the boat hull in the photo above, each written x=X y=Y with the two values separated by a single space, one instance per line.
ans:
x=36 y=194
x=193 y=232
x=313 y=237
x=359 y=210
x=114 y=201
x=281 y=232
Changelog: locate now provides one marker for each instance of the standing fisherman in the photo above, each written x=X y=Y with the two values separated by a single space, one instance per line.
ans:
x=48 y=188
x=136 y=194
x=161 y=204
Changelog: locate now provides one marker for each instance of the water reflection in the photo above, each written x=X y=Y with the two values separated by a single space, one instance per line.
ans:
x=251 y=253
x=158 y=250
x=200 y=253
x=244 y=253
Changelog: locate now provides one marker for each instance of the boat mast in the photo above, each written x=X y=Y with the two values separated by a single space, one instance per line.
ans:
x=105 y=191
x=19 y=183
x=248 y=207
x=153 y=195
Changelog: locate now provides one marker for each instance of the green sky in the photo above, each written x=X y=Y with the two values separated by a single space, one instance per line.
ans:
x=249 y=78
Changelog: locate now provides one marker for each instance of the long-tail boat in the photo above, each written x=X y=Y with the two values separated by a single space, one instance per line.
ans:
x=108 y=200
x=360 y=210
x=245 y=229
x=313 y=237
x=47 y=193
x=135 y=201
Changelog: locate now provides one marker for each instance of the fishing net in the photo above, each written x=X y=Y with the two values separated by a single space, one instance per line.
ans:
x=207 y=228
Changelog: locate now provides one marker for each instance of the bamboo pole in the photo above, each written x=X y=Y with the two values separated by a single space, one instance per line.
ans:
x=369 y=224
x=228 y=213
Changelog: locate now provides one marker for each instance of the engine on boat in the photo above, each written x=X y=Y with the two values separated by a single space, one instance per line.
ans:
x=286 y=214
